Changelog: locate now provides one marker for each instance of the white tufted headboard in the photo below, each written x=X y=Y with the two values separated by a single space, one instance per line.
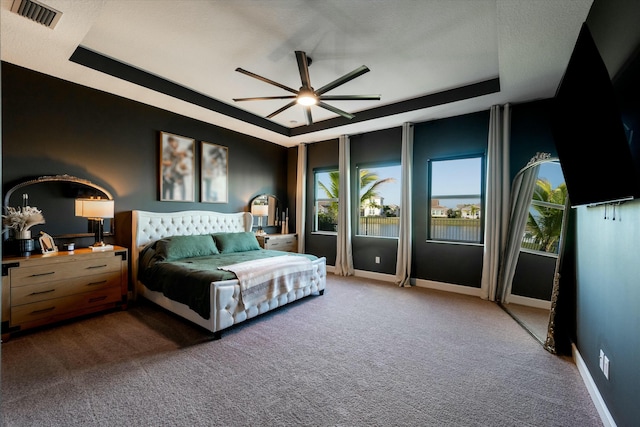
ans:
x=147 y=227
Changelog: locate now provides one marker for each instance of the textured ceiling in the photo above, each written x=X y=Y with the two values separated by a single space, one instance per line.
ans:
x=413 y=48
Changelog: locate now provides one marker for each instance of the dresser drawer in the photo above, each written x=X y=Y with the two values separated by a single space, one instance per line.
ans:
x=31 y=275
x=59 y=306
x=288 y=245
x=279 y=242
x=44 y=291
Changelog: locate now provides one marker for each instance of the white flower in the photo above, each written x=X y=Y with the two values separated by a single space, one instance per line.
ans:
x=21 y=218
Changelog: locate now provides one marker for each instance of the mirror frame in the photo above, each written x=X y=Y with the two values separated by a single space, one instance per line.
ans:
x=60 y=178
x=549 y=343
x=55 y=178
x=272 y=220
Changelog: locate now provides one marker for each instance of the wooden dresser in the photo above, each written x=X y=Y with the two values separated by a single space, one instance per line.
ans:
x=42 y=289
x=279 y=242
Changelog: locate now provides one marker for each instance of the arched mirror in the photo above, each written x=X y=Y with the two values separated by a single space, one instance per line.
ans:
x=55 y=196
x=266 y=210
x=529 y=270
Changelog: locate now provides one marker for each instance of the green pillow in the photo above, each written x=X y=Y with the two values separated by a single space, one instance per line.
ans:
x=236 y=242
x=179 y=247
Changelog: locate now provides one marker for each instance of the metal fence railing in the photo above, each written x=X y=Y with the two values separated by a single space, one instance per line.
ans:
x=456 y=229
x=379 y=226
x=532 y=244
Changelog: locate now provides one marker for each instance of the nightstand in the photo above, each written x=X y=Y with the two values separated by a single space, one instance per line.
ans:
x=42 y=289
x=279 y=242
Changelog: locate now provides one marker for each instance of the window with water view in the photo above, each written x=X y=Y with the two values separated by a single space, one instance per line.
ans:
x=455 y=212
x=326 y=187
x=379 y=200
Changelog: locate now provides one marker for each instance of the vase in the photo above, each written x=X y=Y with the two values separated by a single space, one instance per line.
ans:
x=25 y=243
x=23 y=234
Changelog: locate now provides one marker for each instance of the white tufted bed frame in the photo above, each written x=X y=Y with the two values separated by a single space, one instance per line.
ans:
x=226 y=308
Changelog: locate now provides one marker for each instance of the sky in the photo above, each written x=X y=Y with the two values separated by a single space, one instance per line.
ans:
x=552 y=172
x=390 y=191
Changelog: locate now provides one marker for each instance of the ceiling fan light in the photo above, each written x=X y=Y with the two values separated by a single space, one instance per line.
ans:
x=307 y=100
x=306 y=97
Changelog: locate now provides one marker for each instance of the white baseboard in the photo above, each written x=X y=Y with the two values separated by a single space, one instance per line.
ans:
x=529 y=302
x=458 y=289
x=596 y=397
x=384 y=277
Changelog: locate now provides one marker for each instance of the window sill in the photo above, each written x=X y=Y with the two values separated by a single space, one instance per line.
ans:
x=449 y=242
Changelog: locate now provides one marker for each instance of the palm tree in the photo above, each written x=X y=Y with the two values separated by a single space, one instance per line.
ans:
x=546 y=224
x=368 y=180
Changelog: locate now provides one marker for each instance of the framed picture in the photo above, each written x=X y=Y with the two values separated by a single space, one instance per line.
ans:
x=47 y=244
x=177 y=164
x=214 y=181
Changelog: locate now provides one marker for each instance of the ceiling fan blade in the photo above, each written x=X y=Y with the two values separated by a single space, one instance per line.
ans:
x=266 y=80
x=350 y=97
x=289 y=105
x=261 y=98
x=303 y=68
x=335 y=110
x=307 y=112
x=342 y=80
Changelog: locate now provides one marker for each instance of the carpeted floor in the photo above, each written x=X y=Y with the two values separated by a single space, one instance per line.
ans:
x=365 y=354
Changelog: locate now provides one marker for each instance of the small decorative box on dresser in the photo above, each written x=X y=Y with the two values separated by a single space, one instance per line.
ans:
x=42 y=289
x=279 y=242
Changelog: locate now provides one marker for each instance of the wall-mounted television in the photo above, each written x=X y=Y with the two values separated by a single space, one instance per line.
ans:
x=588 y=131
x=626 y=84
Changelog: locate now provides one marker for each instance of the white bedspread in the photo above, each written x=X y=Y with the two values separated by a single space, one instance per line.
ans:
x=264 y=279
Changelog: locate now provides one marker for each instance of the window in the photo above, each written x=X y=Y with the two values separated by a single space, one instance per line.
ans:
x=544 y=224
x=379 y=200
x=326 y=190
x=456 y=200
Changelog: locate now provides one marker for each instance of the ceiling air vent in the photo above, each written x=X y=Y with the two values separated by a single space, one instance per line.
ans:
x=37 y=12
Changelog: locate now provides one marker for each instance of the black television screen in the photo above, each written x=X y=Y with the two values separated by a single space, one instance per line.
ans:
x=588 y=131
x=627 y=87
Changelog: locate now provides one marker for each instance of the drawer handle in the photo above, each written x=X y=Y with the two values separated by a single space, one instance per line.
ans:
x=41 y=292
x=96 y=299
x=44 y=310
x=96 y=283
x=43 y=274
x=96 y=266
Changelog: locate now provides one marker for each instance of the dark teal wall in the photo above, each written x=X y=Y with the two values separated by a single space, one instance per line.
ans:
x=370 y=148
x=608 y=304
x=530 y=134
x=533 y=277
x=320 y=155
x=462 y=135
x=455 y=136
x=50 y=127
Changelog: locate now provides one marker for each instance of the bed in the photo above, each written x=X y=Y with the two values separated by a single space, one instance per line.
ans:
x=220 y=303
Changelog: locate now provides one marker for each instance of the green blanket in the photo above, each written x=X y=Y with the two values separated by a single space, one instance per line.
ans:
x=188 y=280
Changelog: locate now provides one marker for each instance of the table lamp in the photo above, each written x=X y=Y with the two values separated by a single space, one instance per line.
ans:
x=96 y=210
x=260 y=211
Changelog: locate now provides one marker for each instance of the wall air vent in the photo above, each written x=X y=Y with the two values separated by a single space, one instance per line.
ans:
x=37 y=12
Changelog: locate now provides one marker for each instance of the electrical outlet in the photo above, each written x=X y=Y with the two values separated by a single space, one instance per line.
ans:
x=377 y=260
x=601 y=360
x=605 y=369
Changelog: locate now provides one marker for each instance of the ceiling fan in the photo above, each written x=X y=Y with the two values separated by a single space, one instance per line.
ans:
x=307 y=95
